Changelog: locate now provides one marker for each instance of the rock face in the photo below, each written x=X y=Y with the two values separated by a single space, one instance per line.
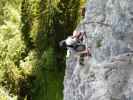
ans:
x=108 y=74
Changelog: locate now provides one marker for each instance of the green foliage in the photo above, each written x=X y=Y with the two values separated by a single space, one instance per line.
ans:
x=54 y=24
x=68 y=15
x=49 y=59
x=31 y=62
x=4 y=95
x=11 y=47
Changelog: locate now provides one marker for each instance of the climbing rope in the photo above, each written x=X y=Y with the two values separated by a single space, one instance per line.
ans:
x=107 y=25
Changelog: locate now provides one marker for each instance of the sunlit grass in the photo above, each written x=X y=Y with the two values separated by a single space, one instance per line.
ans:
x=4 y=95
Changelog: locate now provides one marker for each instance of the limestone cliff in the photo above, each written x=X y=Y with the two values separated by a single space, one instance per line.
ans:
x=108 y=74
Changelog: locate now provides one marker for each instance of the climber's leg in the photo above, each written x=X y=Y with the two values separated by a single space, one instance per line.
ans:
x=83 y=54
x=79 y=35
x=76 y=34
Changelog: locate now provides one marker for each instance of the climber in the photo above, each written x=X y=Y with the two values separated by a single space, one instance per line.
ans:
x=74 y=44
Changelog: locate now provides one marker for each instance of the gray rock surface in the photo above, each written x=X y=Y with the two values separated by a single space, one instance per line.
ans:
x=108 y=74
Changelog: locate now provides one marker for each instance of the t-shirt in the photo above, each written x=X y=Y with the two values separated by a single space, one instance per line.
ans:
x=70 y=40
